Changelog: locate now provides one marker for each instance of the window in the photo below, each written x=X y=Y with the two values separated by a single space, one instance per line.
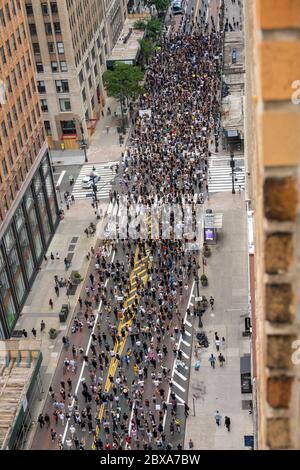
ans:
x=29 y=9
x=68 y=127
x=90 y=82
x=54 y=66
x=8 y=50
x=9 y=120
x=93 y=102
x=83 y=93
x=39 y=67
x=7 y=12
x=32 y=29
x=63 y=66
x=47 y=126
x=60 y=47
x=54 y=9
x=81 y=77
x=87 y=65
x=44 y=7
x=48 y=28
x=3 y=127
x=65 y=105
x=36 y=48
x=57 y=28
x=41 y=86
x=2 y=18
x=44 y=106
x=4 y=168
x=96 y=70
x=2 y=55
x=62 y=86
x=51 y=47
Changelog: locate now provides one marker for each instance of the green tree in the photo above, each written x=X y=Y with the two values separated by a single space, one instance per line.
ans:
x=124 y=81
x=154 y=29
x=147 y=50
x=160 y=5
x=140 y=24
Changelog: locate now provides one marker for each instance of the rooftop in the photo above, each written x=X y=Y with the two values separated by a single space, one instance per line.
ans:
x=127 y=51
x=18 y=364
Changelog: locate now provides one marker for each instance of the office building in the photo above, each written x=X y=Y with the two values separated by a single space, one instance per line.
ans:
x=28 y=205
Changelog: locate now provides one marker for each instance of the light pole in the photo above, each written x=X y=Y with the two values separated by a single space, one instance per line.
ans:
x=199 y=313
x=83 y=143
x=232 y=164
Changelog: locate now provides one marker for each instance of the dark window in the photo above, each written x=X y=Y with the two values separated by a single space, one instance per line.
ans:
x=47 y=126
x=32 y=29
x=51 y=47
x=36 y=48
x=54 y=66
x=62 y=86
x=68 y=127
x=39 y=67
x=48 y=28
x=54 y=9
x=41 y=86
x=57 y=28
x=44 y=7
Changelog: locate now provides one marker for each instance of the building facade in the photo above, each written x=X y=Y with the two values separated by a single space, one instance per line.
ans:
x=28 y=205
x=70 y=42
x=273 y=147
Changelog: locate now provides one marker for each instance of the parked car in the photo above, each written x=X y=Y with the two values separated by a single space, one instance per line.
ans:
x=177 y=7
x=88 y=180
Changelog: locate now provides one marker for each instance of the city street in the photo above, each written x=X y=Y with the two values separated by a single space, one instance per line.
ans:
x=123 y=376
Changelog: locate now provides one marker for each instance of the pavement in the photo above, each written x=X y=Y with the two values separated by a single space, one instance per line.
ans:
x=220 y=388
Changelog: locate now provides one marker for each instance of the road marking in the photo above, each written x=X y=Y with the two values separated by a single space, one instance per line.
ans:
x=185 y=342
x=174 y=364
x=86 y=353
x=187 y=333
x=178 y=386
x=185 y=355
x=179 y=398
x=188 y=323
x=60 y=178
x=180 y=375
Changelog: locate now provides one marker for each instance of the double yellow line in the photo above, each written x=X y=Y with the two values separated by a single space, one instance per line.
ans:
x=141 y=266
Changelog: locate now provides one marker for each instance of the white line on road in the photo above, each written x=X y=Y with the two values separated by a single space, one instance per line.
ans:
x=185 y=343
x=180 y=375
x=188 y=323
x=178 y=386
x=86 y=353
x=61 y=177
x=174 y=365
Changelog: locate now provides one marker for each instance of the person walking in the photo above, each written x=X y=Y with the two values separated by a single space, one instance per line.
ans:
x=212 y=302
x=43 y=325
x=47 y=420
x=227 y=423
x=51 y=304
x=52 y=256
x=217 y=417
x=221 y=359
x=24 y=332
x=217 y=343
x=191 y=444
x=212 y=360
x=33 y=331
x=41 y=420
x=56 y=288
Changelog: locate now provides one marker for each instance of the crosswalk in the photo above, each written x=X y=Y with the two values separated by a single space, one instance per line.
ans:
x=101 y=169
x=219 y=174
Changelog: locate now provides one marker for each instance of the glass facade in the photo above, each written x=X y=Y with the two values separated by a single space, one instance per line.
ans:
x=24 y=243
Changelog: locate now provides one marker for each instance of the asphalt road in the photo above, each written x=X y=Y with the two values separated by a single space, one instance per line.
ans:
x=143 y=265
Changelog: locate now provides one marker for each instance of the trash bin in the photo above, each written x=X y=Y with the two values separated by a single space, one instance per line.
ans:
x=62 y=316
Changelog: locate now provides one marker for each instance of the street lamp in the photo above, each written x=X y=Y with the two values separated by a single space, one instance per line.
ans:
x=198 y=308
x=82 y=142
x=232 y=164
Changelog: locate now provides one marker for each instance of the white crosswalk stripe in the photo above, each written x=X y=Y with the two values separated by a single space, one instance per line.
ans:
x=103 y=186
x=219 y=175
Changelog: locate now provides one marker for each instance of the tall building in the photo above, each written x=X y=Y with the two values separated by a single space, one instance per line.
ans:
x=273 y=148
x=70 y=41
x=28 y=205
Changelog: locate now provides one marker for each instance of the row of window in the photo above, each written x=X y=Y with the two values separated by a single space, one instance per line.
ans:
x=56 y=67
x=5 y=13
x=51 y=47
x=64 y=105
x=62 y=86
x=11 y=44
x=44 y=7
x=48 y=28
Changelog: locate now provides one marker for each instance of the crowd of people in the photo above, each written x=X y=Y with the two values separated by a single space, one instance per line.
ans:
x=126 y=398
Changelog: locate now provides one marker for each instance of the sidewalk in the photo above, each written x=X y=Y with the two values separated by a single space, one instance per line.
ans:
x=69 y=241
x=220 y=388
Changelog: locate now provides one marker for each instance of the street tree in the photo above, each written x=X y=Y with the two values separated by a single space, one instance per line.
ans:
x=160 y=5
x=154 y=29
x=124 y=83
x=147 y=50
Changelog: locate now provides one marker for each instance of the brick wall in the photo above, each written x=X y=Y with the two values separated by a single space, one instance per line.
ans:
x=273 y=130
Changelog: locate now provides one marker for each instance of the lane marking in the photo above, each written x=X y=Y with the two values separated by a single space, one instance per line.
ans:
x=178 y=386
x=185 y=343
x=180 y=375
x=60 y=178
